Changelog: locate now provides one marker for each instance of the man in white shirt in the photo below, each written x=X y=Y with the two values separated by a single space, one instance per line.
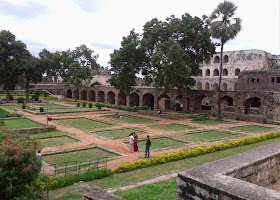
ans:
x=39 y=155
x=131 y=142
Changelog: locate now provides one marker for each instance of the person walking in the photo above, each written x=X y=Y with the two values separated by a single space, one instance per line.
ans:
x=135 y=142
x=131 y=142
x=148 y=144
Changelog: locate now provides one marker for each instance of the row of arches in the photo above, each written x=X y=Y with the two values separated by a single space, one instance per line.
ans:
x=216 y=72
x=163 y=101
x=225 y=59
x=214 y=86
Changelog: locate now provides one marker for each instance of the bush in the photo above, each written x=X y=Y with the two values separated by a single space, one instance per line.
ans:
x=84 y=104
x=37 y=92
x=19 y=165
x=50 y=98
x=11 y=97
x=23 y=106
x=20 y=100
x=160 y=159
x=8 y=114
x=90 y=105
x=41 y=109
x=78 y=104
x=35 y=97
x=98 y=105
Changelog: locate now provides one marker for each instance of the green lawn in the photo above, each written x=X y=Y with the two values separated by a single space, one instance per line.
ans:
x=56 y=141
x=210 y=122
x=251 y=128
x=66 y=109
x=130 y=119
x=11 y=107
x=79 y=156
x=118 y=133
x=163 y=190
x=172 y=127
x=210 y=135
x=49 y=134
x=179 y=113
x=158 y=143
x=71 y=196
x=84 y=124
x=21 y=123
x=146 y=173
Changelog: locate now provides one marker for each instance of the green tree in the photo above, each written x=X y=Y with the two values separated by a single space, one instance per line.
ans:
x=126 y=63
x=224 y=26
x=19 y=165
x=32 y=73
x=12 y=60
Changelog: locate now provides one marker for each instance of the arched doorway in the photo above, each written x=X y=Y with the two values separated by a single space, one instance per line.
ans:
x=207 y=86
x=227 y=104
x=207 y=72
x=237 y=72
x=224 y=87
x=122 y=99
x=225 y=72
x=148 y=100
x=84 y=95
x=216 y=72
x=199 y=86
x=111 y=97
x=164 y=102
x=76 y=95
x=217 y=59
x=133 y=99
x=94 y=84
x=225 y=59
x=252 y=106
x=215 y=86
x=101 y=96
x=69 y=93
x=91 y=95
x=202 y=102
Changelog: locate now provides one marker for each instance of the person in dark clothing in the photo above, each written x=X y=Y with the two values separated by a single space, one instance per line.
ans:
x=148 y=144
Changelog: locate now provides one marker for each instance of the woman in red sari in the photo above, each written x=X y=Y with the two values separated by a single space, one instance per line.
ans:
x=135 y=142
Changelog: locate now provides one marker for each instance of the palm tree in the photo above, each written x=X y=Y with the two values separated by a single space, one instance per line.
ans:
x=224 y=26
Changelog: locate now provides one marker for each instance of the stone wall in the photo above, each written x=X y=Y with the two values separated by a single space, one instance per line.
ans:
x=238 y=177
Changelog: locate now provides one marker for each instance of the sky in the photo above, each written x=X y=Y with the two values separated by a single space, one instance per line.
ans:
x=101 y=24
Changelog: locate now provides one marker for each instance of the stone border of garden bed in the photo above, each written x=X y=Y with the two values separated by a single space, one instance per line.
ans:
x=189 y=134
x=35 y=129
x=171 y=117
x=58 y=136
x=193 y=127
x=55 y=113
x=229 y=128
x=185 y=143
x=112 y=138
x=155 y=120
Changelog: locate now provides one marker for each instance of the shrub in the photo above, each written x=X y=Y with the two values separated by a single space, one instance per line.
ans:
x=160 y=159
x=50 y=98
x=41 y=109
x=35 y=97
x=37 y=92
x=98 y=105
x=90 y=105
x=19 y=165
x=11 y=97
x=20 y=100
x=23 y=106
x=84 y=104
x=78 y=104
x=8 y=114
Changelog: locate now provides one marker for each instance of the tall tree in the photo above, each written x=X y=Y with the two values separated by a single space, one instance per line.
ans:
x=32 y=73
x=12 y=60
x=224 y=26
x=126 y=63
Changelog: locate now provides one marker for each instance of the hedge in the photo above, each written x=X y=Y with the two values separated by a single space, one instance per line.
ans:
x=8 y=114
x=160 y=159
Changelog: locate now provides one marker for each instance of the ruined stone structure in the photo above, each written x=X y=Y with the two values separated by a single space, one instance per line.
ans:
x=240 y=177
x=234 y=62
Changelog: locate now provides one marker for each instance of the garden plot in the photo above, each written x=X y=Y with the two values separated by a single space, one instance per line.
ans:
x=21 y=124
x=84 y=124
x=210 y=135
x=171 y=127
x=117 y=133
x=251 y=128
x=56 y=140
x=162 y=143
x=130 y=119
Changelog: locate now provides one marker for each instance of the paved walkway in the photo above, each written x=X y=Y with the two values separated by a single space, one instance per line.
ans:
x=87 y=139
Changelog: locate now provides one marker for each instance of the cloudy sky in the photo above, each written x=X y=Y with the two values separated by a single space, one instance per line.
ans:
x=101 y=24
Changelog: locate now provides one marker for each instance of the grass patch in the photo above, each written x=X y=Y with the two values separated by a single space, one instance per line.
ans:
x=163 y=190
x=118 y=133
x=56 y=141
x=130 y=119
x=172 y=127
x=210 y=122
x=84 y=124
x=251 y=128
x=79 y=156
x=48 y=134
x=11 y=107
x=210 y=135
x=21 y=123
x=71 y=196
x=160 y=143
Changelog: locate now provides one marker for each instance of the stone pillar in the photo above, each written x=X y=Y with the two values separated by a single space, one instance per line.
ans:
x=87 y=95
x=140 y=100
x=105 y=97
x=116 y=99
x=127 y=101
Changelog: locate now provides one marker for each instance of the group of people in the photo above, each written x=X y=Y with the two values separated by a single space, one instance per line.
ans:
x=117 y=115
x=133 y=139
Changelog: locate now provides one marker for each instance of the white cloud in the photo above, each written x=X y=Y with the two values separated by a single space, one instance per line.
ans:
x=101 y=24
